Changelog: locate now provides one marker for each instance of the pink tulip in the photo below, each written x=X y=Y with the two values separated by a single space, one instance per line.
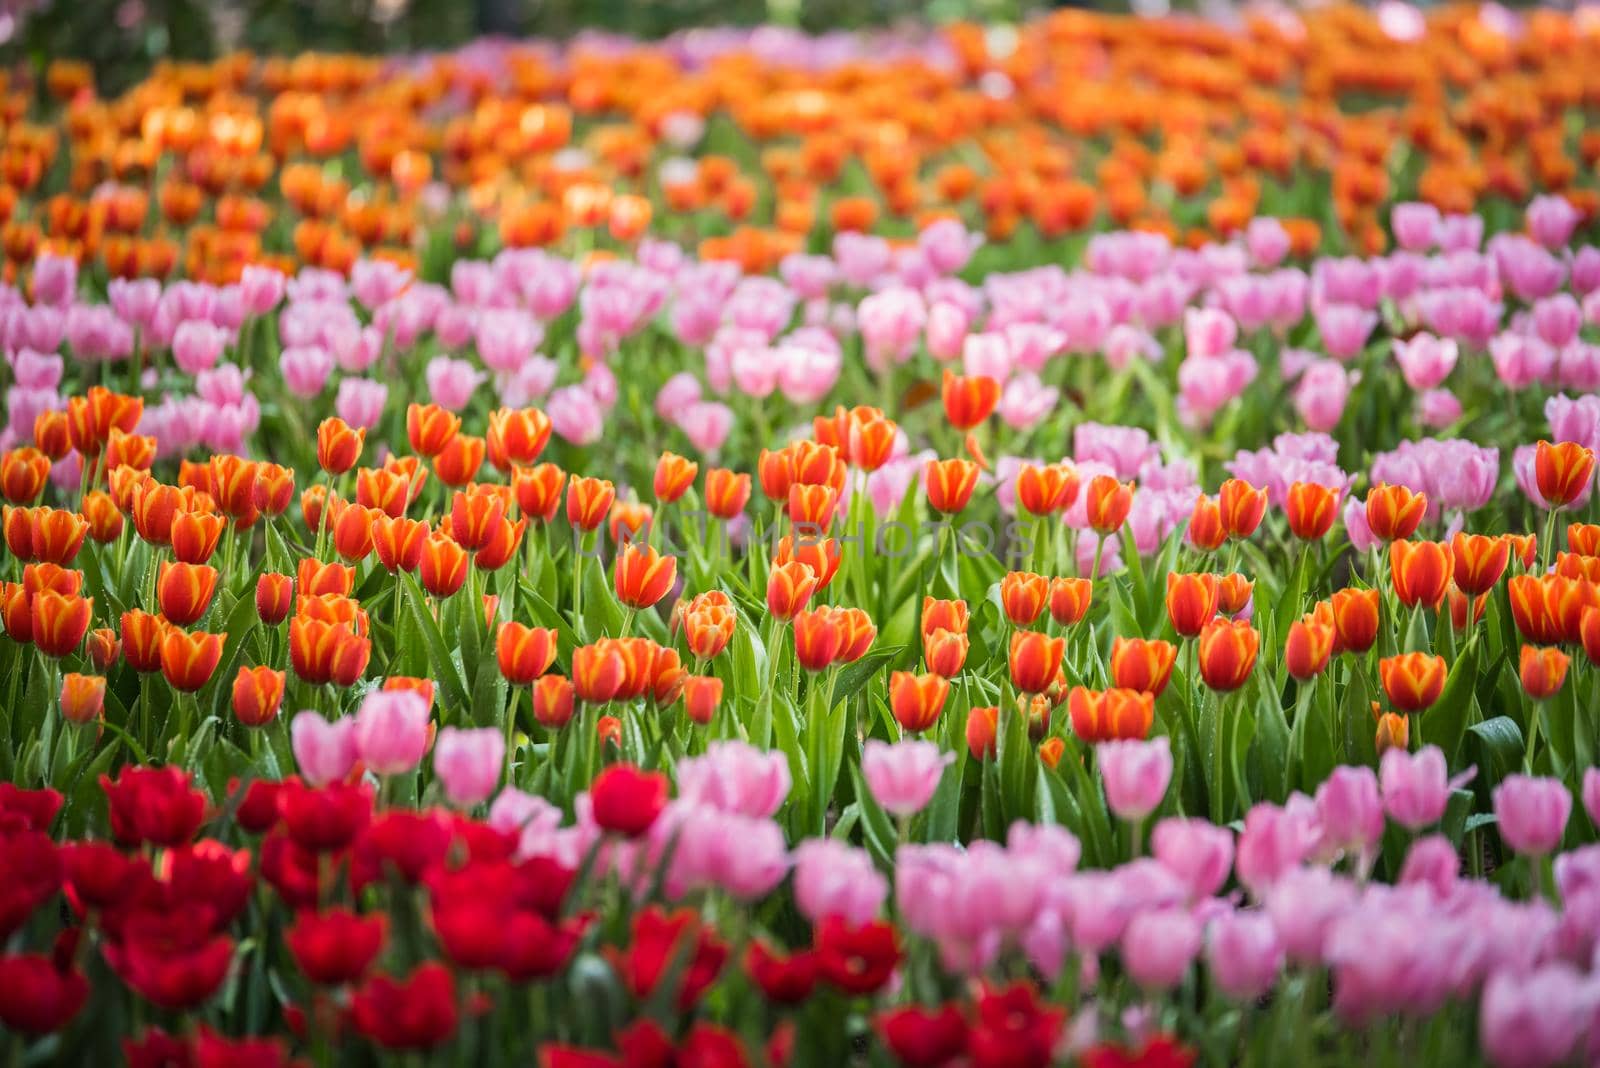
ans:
x=197 y=344
x=55 y=279
x=1158 y=946
x=1275 y=840
x=1535 y=1020
x=1135 y=775
x=1459 y=233
x=808 y=366
x=676 y=394
x=1243 y=954
x=835 y=879
x=986 y=355
x=1197 y=851
x=1431 y=861
x=391 y=730
x=1026 y=400
x=451 y=382
x=376 y=282
x=1425 y=360
x=360 y=401
x=903 y=776
x=305 y=369
x=135 y=300
x=261 y=288
x=1416 y=226
x=755 y=371
x=1350 y=812
x=506 y=337
x=1438 y=408
x=1551 y=220
x=1304 y=904
x=1591 y=794
x=468 y=763
x=1321 y=394
x=325 y=751
x=1520 y=360
x=945 y=334
x=736 y=778
x=1416 y=787
x=1532 y=813
x=37 y=370
x=1208 y=332
x=575 y=415
x=1344 y=329
x=528 y=384
x=1585 y=270
x=862 y=258
x=744 y=857
x=947 y=245
x=1267 y=241
x=809 y=276
x=1557 y=319
x=891 y=323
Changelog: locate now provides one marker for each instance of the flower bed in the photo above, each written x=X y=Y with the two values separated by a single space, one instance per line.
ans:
x=727 y=555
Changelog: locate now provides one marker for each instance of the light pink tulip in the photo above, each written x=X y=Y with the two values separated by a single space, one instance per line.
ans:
x=468 y=763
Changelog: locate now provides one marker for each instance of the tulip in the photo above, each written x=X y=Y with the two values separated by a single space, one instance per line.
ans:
x=1562 y=471
x=917 y=700
x=1421 y=571
x=1140 y=664
x=1035 y=660
x=99 y=510
x=949 y=484
x=468 y=763
x=589 y=502
x=983 y=728
x=1393 y=732
x=674 y=476
x=812 y=507
x=184 y=591
x=708 y=629
x=429 y=428
x=1242 y=506
x=552 y=701
x=1227 y=653
x=141 y=640
x=274 y=489
x=56 y=535
x=257 y=694
x=1478 y=561
x=1112 y=715
x=667 y=676
x=626 y=800
x=515 y=436
x=598 y=672
x=335 y=946
x=1413 y=681
x=870 y=442
x=391 y=731
x=819 y=635
x=1136 y=775
x=1311 y=510
x=1531 y=814
x=1043 y=491
x=1069 y=599
x=188 y=660
x=644 y=576
x=903 y=777
x=274 y=596
x=1024 y=595
x=104 y=648
x=538 y=490
x=1415 y=786
x=232 y=481
x=968 y=401
x=23 y=473
x=1107 y=503
x=1191 y=602
x=338 y=445
x=443 y=569
x=1542 y=671
x=195 y=536
x=775 y=470
x=726 y=492
x=945 y=652
x=701 y=696
x=1206 y=529
x=1355 y=619
x=1308 y=648
x=1394 y=512
x=83 y=697
x=57 y=622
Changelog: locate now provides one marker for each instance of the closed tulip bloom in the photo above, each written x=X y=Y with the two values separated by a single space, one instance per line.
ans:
x=232 y=481
x=274 y=597
x=1191 y=602
x=105 y=649
x=903 y=777
x=1421 y=571
x=598 y=672
x=184 y=591
x=1045 y=490
x=1242 y=506
x=945 y=652
x=188 y=660
x=1107 y=503
x=1024 y=595
x=1584 y=538
x=314 y=508
x=1458 y=604
x=812 y=507
x=83 y=697
x=1531 y=814
x=944 y=615
x=99 y=509
x=708 y=629
x=917 y=700
x=274 y=488
x=444 y=565
x=983 y=729
x=391 y=732
x=538 y=490
x=1572 y=566
x=1034 y=660
x=1206 y=530
x=335 y=946
x=857 y=634
x=429 y=428
x=324 y=652
x=789 y=589
x=818 y=637
x=257 y=694
x=474 y=515
x=501 y=548
x=674 y=475
x=399 y=542
x=1413 y=681
x=968 y=400
x=643 y=576
x=1307 y=649
x=1243 y=954
x=1355 y=618
x=1478 y=561
x=23 y=473
x=458 y=463
x=57 y=622
x=141 y=640
x=1311 y=510
x=627 y=800
x=775 y=470
x=949 y=484
x=589 y=502
x=56 y=534
x=1562 y=471
x=1393 y=732
x=338 y=445
x=52 y=434
x=1135 y=775
x=1227 y=653
x=726 y=492
x=701 y=696
x=1233 y=593
x=1142 y=664
x=1543 y=671
x=628 y=521
x=1069 y=599
x=1589 y=634
x=1394 y=512
x=870 y=442
x=468 y=763
x=553 y=697
x=195 y=536
x=1110 y=715
x=383 y=488
x=352 y=531
x=524 y=653
x=516 y=436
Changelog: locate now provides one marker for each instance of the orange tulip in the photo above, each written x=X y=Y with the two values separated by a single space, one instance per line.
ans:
x=643 y=576
x=352 y=531
x=871 y=442
x=857 y=634
x=1589 y=634
x=195 y=535
x=538 y=490
x=589 y=502
x=100 y=511
x=816 y=464
x=184 y=591
x=598 y=671
x=1206 y=531
x=384 y=488
x=444 y=565
x=1233 y=593
x=917 y=700
x=141 y=640
x=1394 y=512
x=524 y=653
x=775 y=470
x=1308 y=648
x=257 y=694
x=458 y=462
x=1191 y=602
x=983 y=731
x=819 y=634
x=944 y=615
x=1110 y=715
x=1107 y=503
x=701 y=696
x=23 y=474
x=104 y=648
x=789 y=589
x=1543 y=671
x=812 y=507
x=1242 y=506
x=474 y=515
x=1024 y=595
x=708 y=627
x=188 y=660
x=232 y=481
x=274 y=594
x=52 y=435
x=1563 y=471
x=504 y=541
x=726 y=492
x=821 y=555
x=1478 y=561
x=1045 y=490
x=429 y=428
x=19 y=532
x=1412 y=681
x=639 y=657
x=1355 y=618
x=945 y=652
x=56 y=621
x=1394 y=732
x=552 y=701
x=154 y=506
x=1584 y=538
x=949 y=484
x=314 y=508
x=1458 y=603
x=83 y=697
x=1142 y=664
x=1227 y=653
x=1420 y=571
x=968 y=400
x=515 y=436
x=1311 y=510
x=315 y=578
x=399 y=542
x=338 y=445
x=323 y=652
x=1573 y=566
x=1069 y=599
x=56 y=534
x=674 y=475
x=1051 y=750
x=1034 y=660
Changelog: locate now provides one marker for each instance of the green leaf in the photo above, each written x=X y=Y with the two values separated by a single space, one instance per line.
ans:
x=852 y=677
x=1500 y=748
x=877 y=828
x=443 y=666
x=1444 y=723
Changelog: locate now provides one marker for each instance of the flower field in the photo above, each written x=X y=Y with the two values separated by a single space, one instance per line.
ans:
x=1068 y=544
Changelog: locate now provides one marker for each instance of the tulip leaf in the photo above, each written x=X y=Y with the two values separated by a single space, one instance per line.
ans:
x=444 y=667
x=1444 y=723
x=1499 y=746
x=852 y=677
x=877 y=828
